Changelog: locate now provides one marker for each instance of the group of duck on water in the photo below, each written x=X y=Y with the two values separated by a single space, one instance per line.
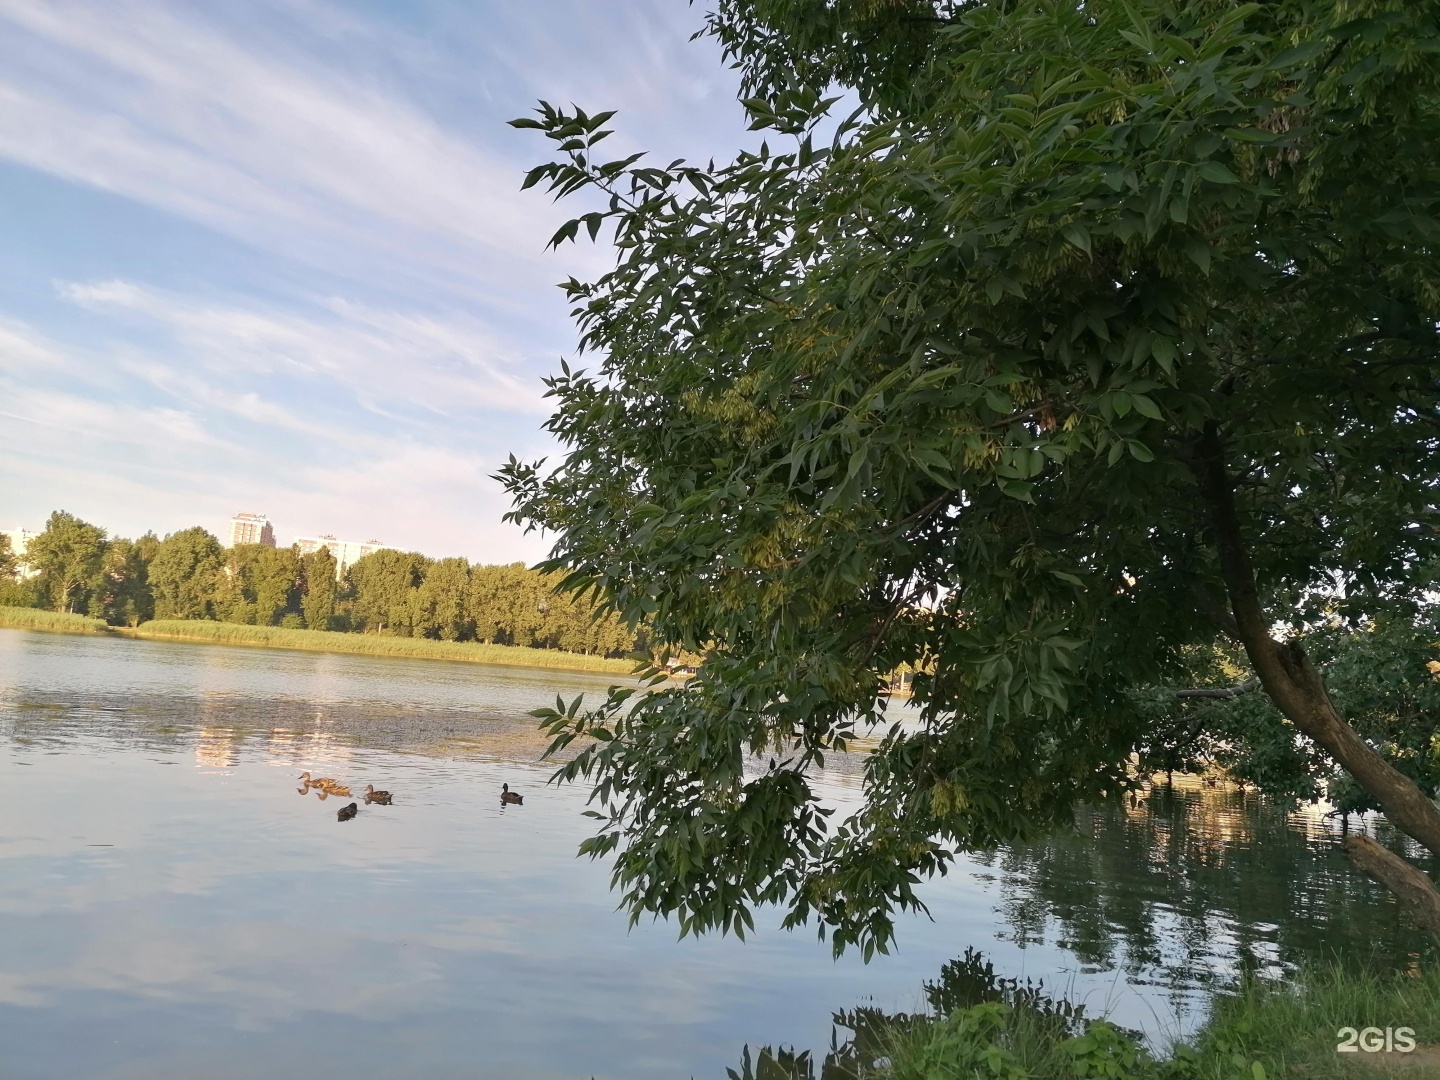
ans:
x=325 y=786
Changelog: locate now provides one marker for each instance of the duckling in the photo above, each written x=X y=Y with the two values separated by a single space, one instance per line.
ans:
x=508 y=796
x=381 y=797
x=347 y=812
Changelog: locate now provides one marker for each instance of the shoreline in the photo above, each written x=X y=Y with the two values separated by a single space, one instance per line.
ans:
x=329 y=641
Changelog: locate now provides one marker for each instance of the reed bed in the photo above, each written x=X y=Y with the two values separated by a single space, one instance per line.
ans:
x=277 y=637
x=58 y=622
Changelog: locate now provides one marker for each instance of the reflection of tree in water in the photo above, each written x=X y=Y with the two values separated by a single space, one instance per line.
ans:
x=1179 y=887
x=216 y=726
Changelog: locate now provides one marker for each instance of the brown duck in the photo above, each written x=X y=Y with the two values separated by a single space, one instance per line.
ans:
x=508 y=796
x=381 y=797
x=347 y=812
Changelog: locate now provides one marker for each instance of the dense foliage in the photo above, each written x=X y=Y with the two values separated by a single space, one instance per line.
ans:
x=981 y=1025
x=188 y=575
x=1100 y=338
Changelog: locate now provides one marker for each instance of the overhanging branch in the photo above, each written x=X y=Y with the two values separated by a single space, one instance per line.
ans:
x=1222 y=692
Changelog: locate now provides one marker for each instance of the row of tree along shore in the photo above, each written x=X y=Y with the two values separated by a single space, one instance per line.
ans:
x=74 y=566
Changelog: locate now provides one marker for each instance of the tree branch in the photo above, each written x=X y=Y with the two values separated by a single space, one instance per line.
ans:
x=1415 y=890
x=1224 y=692
x=1290 y=680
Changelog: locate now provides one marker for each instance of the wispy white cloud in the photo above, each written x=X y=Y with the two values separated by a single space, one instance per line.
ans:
x=306 y=160
x=91 y=443
x=22 y=348
x=381 y=350
x=387 y=360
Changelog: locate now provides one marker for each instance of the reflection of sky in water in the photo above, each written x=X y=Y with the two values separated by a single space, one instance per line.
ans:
x=170 y=906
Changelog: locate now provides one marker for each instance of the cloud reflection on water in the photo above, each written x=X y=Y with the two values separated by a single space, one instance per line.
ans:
x=234 y=926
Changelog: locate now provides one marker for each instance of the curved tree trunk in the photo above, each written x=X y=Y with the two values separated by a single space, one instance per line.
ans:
x=1414 y=889
x=1298 y=690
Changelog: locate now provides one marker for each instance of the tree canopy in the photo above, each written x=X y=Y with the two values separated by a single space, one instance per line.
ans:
x=1101 y=335
x=68 y=555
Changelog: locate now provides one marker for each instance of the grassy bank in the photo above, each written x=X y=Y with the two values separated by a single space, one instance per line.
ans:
x=1291 y=1028
x=984 y=1026
x=276 y=637
x=21 y=618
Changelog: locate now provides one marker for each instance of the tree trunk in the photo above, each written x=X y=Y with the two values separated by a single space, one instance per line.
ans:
x=1416 y=892
x=1298 y=690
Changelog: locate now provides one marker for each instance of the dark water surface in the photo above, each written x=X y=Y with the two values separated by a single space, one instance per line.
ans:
x=171 y=907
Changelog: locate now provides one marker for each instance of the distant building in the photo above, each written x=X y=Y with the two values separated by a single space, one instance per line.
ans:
x=251 y=529
x=346 y=552
x=19 y=543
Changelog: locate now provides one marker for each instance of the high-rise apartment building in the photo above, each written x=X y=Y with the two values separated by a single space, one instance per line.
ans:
x=346 y=552
x=251 y=529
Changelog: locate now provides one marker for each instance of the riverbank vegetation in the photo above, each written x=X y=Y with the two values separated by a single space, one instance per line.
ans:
x=1091 y=360
x=74 y=567
x=279 y=637
x=20 y=618
x=980 y=1025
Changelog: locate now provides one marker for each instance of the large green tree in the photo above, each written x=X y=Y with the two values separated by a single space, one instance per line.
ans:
x=69 y=555
x=122 y=594
x=9 y=564
x=185 y=573
x=1102 y=331
x=441 y=610
x=318 y=571
x=385 y=586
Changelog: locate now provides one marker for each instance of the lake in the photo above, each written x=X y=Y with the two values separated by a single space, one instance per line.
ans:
x=171 y=906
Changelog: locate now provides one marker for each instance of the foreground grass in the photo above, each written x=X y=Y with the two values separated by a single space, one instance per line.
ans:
x=22 y=618
x=276 y=637
x=1292 y=1028
x=996 y=1029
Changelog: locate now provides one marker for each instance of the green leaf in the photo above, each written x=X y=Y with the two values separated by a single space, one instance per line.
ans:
x=1216 y=172
x=1078 y=235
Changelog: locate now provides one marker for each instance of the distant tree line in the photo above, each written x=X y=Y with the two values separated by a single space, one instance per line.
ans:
x=75 y=566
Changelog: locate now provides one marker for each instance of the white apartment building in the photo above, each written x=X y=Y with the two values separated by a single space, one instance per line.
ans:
x=251 y=529
x=346 y=552
x=19 y=542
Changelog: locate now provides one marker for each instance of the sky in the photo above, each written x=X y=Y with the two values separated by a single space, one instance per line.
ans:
x=273 y=257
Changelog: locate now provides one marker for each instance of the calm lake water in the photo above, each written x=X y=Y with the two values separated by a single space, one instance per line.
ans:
x=172 y=907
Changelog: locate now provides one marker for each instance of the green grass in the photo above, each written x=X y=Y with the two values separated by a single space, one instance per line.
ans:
x=999 y=1030
x=1291 y=1027
x=1289 y=1030
x=22 y=618
x=276 y=637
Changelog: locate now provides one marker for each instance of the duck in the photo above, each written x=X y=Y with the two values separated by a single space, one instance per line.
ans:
x=318 y=781
x=381 y=797
x=508 y=796
x=347 y=812
x=336 y=788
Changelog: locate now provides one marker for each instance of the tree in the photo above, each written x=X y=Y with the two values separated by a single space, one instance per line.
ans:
x=385 y=585
x=1102 y=332
x=442 y=601
x=123 y=595
x=275 y=579
x=184 y=574
x=317 y=572
x=68 y=555
x=9 y=565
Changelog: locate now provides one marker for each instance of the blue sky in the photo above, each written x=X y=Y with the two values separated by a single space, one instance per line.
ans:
x=273 y=256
